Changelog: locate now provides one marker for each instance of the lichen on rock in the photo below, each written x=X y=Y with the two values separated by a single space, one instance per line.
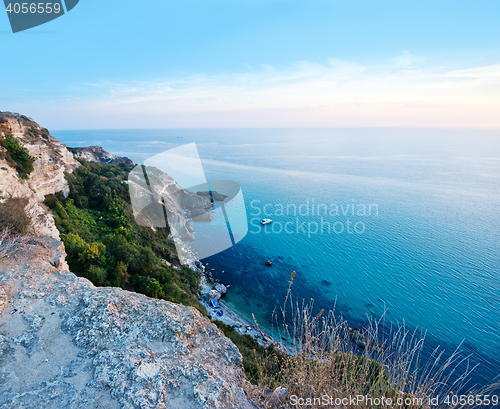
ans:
x=65 y=343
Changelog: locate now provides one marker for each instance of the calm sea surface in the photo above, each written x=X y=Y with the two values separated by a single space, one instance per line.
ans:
x=401 y=221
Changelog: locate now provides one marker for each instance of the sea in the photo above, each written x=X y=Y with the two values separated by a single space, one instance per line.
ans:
x=378 y=223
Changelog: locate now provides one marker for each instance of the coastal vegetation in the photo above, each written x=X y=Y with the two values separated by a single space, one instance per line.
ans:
x=316 y=359
x=14 y=223
x=105 y=245
x=16 y=155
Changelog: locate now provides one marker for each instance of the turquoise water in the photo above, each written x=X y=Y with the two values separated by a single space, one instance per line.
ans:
x=414 y=219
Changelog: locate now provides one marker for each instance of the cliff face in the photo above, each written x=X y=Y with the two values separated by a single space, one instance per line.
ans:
x=67 y=344
x=98 y=154
x=52 y=161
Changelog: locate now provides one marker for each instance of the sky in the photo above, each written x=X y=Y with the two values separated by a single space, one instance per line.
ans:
x=257 y=63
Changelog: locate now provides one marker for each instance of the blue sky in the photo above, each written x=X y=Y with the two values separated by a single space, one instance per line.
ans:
x=120 y=64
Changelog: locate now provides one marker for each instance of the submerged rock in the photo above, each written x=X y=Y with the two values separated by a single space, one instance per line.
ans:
x=364 y=341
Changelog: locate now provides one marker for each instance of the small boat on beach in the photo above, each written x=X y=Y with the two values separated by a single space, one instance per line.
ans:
x=265 y=221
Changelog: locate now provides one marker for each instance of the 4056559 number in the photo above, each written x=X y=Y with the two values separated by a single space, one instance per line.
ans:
x=32 y=8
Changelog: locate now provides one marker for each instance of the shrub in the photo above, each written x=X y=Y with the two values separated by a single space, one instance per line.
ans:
x=93 y=254
x=18 y=155
x=260 y=363
x=74 y=245
x=14 y=217
x=33 y=132
x=97 y=275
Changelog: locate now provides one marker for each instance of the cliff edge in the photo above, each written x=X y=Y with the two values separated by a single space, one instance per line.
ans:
x=67 y=344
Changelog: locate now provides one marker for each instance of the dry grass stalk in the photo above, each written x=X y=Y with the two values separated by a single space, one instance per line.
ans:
x=322 y=362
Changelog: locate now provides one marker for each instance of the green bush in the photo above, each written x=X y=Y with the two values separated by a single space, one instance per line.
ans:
x=18 y=155
x=97 y=275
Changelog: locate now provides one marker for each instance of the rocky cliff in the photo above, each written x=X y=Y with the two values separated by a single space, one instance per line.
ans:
x=52 y=160
x=98 y=154
x=67 y=344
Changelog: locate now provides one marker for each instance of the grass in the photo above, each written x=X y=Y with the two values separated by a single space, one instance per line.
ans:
x=8 y=241
x=259 y=362
x=324 y=363
x=14 y=224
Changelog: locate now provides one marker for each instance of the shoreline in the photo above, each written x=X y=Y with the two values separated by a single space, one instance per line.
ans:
x=232 y=317
x=214 y=289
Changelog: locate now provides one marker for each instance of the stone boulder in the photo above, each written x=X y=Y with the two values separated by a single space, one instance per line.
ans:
x=67 y=344
x=221 y=288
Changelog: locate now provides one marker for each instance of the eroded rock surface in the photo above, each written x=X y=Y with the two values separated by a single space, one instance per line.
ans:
x=67 y=344
x=52 y=161
x=99 y=155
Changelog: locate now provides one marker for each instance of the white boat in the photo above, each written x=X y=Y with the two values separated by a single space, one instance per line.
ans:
x=265 y=221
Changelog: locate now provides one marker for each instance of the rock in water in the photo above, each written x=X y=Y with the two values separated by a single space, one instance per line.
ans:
x=78 y=346
x=221 y=288
x=363 y=340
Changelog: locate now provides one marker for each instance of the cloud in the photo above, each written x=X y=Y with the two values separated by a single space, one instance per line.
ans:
x=304 y=83
x=407 y=59
x=305 y=93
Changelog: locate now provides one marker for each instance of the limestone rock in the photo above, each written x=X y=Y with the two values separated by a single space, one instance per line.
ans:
x=99 y=155
x=52 y=161
x=213 y=295
x=66 y=342
x=221 y=288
